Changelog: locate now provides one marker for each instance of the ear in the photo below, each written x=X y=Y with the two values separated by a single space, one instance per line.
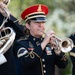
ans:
x=28 y=26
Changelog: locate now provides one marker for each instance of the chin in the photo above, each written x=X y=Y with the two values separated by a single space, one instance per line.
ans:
x=40 y=34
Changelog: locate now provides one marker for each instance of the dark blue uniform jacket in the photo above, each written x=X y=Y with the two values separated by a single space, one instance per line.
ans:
x=8 y=68
x=31 y=60
x=72 y=54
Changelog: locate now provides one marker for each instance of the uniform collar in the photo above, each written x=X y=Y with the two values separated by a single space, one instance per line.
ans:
x=32 y=38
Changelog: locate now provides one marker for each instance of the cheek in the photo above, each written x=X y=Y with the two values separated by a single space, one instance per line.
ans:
x=43 y=27
x=33 y=29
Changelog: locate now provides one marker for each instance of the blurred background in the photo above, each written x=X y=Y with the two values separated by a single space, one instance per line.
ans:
x=61 y=19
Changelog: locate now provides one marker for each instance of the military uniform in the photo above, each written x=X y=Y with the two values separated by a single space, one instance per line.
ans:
x=33 y=61
x=29 y=56
x=8 y=68
x=72 y=54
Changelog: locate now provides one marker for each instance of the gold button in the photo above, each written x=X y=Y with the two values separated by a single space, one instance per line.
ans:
x=34 y=39
x=44 y=66
x=44 y=71
x=43 y=60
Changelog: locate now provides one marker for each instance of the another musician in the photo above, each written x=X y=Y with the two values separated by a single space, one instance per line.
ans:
x=7 y=67
x=72 y=54
x=33 y=54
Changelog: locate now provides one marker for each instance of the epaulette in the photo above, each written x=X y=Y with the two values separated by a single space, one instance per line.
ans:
x=23 y=38
x=19 y=21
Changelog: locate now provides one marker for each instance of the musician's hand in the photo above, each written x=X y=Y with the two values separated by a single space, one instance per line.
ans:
x=2 y=7
x=47 y=39
x=49 y=36
x=57 y=51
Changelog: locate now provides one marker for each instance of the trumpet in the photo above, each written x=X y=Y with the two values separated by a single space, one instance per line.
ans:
x=64 y=45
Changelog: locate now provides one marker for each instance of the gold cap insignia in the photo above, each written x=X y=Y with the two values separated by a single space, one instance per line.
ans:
x=39 y=8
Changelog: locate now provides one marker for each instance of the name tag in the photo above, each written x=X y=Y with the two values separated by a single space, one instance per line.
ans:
x=2 y=59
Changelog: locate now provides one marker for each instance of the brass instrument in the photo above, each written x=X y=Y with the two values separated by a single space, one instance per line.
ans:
x=65 y=45
x=7 y=34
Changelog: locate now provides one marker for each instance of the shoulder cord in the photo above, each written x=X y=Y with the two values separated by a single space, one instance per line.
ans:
x=32 y=56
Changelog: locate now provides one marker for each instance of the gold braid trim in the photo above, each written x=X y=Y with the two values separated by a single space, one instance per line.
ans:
x=32 y=56
x=72 y=54
x=40 y=62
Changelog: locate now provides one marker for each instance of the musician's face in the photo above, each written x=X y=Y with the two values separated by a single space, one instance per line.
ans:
x=36 y=28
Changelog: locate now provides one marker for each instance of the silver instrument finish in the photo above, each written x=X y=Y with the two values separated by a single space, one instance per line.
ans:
x=7 y=34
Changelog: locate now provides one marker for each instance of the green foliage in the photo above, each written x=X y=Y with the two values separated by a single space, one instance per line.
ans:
x=68 y=69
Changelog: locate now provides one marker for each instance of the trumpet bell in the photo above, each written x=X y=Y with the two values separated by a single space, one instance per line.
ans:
x=66 y=45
